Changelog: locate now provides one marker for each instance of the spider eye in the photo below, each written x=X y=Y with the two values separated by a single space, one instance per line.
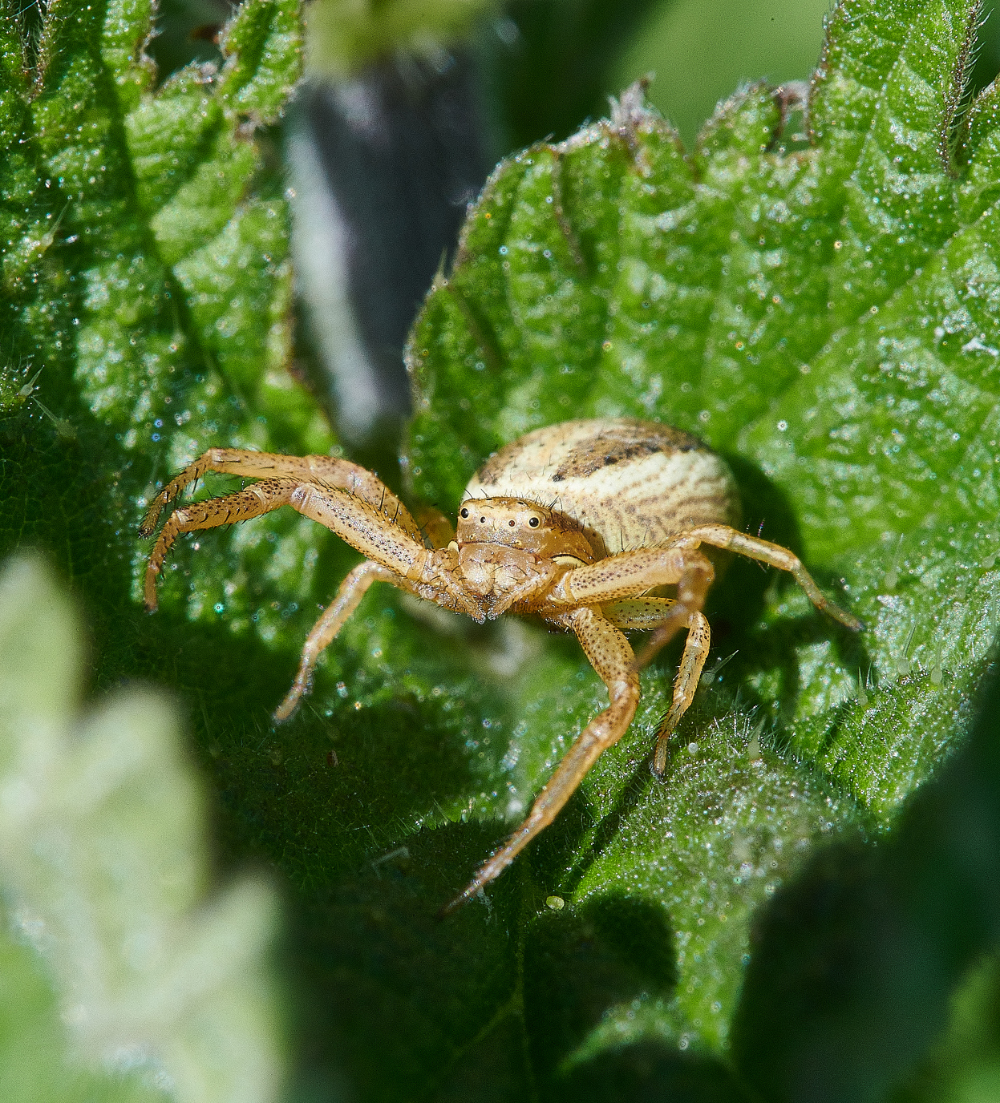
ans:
x=533 y=522
x=464 y=513
x=512 y=522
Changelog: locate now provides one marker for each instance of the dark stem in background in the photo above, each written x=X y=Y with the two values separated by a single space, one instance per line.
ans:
x=384 y=166
x=385 y=163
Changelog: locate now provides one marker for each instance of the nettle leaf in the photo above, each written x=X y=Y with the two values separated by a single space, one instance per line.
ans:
x=820 y=308
x=139 y=227
x=103 y=864
x=824 y=312
x=146 y=270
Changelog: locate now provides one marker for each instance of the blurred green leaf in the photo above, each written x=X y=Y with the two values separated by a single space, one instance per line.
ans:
x=700 y=50
x=823 y=312
x=964 y=1067
x=344 y=36
x=103 y=866
x=137 y=227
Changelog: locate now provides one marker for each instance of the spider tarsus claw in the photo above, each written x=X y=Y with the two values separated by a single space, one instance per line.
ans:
x=148 y=524
x=658 y=767
x=848 y=620
x=284 y=711
x=287 y=709
x=455 y=903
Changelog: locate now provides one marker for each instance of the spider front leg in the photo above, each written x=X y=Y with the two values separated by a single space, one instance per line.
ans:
x=359 y=515
x=364 y=513
x=328 y=472
x=612 y=658
x=722 y=536
x=254 y=501
x=349 y=595
x=335 y=616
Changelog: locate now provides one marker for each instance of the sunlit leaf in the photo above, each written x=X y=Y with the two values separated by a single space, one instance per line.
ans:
x=822 y=311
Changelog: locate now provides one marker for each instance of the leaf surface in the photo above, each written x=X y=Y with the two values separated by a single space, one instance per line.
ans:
x=823 y=312
x=104 y=872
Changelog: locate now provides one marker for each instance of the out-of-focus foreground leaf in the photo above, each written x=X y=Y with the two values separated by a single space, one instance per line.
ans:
x=825 y=313
x=103 y=866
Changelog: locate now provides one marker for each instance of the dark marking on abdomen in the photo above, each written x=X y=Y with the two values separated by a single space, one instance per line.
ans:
x=621 y=443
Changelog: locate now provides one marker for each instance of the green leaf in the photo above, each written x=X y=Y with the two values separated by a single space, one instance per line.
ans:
x=822 y=311
x=883 y=935
x=139 y=226
x=965 y=1064
x=826 y=317
x=148 y=275
x=344 y=37
x=104 y=869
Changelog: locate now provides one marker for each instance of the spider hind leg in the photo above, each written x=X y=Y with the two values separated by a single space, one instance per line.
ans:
x=667 y=617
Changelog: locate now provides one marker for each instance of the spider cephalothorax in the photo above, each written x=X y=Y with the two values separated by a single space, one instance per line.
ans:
x=576 y=523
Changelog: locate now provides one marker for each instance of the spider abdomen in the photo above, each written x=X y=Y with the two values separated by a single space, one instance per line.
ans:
x=629 y=483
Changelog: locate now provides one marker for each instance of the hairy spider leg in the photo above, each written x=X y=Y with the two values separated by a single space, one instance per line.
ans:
x=612 y=658
x=253 y=501
x=322 y=471
x=654 y=613
x=696 y=648
x=642 y=614
x=352 y=590
x=753 y=547
x=358 y=520
x=697 y=645
x=437 y=528
x=692 y=585
x=629 y=574
x=692 y=589
x=695 y=578
x=679 y=564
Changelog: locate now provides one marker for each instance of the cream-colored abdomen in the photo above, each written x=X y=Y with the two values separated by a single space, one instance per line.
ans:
x=629 y=483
